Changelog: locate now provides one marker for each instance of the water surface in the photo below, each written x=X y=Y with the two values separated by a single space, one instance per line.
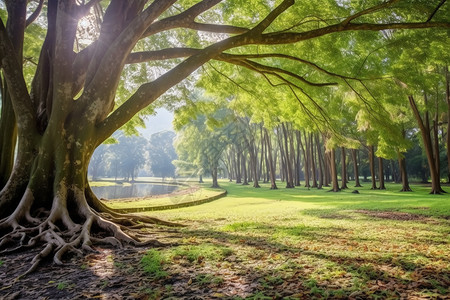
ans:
x=134 y=190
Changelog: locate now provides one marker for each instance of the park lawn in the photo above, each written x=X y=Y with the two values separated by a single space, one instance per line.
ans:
x=300 y=243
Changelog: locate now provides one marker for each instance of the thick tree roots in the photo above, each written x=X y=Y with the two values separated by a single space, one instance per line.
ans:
x=60 y=233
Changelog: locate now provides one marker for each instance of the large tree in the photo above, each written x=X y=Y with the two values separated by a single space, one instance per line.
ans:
x=68 y=109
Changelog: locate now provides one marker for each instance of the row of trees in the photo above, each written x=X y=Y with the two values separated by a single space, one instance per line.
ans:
x=132 y=156
x=248 y=153
x=397 y=108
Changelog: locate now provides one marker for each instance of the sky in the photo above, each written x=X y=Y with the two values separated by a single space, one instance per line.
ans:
x=160 y=122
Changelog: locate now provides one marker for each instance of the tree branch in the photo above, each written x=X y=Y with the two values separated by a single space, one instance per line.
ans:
x=35 y=14
x=436 y=10
x=278 y=55
x=258 y=29
x=17 y=86
x=183 y=19
x=368 y=11
x=265 y=69
x=169 y=53
x=107 y=72
x=217 y=28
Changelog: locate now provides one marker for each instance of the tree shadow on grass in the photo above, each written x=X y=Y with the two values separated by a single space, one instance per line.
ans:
x=290 y=262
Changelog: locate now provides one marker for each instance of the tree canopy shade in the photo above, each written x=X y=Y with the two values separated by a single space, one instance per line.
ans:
x=69 y=104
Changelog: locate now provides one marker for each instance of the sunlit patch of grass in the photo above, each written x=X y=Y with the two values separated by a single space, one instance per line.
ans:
x=153 y=264
x=245 y=226
x=319 y=243
x=200 y=253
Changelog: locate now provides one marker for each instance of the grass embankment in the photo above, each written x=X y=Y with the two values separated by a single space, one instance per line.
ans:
x=186 y=195
x=299 y=243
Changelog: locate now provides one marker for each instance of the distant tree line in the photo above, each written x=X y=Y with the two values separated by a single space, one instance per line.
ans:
x=127 y=157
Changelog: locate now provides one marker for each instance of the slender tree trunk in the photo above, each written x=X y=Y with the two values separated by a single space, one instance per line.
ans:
x=426 y=138
x=319 y=159
x=238 y=166
x=447 y=97
x=254 y=165
x=273 y=185
x=327 y=168
x=288 y=162
x=313 y=161
x=381 y=173
x=404 y=174
x=244 y=169
x=283 y=167
x=343 y=170
x=200 y=178
x=437 y=159
x=372 y=166
x=334 y=177
x=305 y=161
x=298 y=165
x=355 y=167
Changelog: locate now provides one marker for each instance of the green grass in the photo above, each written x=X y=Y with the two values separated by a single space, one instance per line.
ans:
x=372 y=245
x=152 y=263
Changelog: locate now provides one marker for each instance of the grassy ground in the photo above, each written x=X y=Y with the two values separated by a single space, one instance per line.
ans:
x=299 y=243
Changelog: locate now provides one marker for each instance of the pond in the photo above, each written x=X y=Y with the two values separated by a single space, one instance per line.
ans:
x=137 y=190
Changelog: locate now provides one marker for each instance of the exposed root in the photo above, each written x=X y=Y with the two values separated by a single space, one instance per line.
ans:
x=61 y=233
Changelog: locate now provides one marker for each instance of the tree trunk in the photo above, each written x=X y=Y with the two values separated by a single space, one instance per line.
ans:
x=273 y=185
x=305 y=161
x=238 y=166
x=334 y=177
x=319 y=159
x=372 y=166
x=288 y=162
x=426 y=138
x=215 y=183
x=447 y=97
x=15 y=28
x=381 y=173
x=244 y=169
x=404 y=174
x=343 y=170
x=355 y=167
x=254 y=165
x=298 y=165
x=313 y=161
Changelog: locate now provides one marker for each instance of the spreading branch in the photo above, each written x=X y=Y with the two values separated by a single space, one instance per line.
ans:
x=35 y=14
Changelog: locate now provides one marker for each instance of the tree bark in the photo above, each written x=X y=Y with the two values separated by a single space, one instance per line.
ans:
x=215 y=183
x=381 y=173
x=238 y=166
x=372 y=166
x=15 y=28
x=273 y=184
x=403 y=173
x=447 y=97
x=288 y=162
x=313 y=161
x=244 y=169
x=305 y=160
x=334 y=177
x=355 y=167
x=426 y=138
x=319 y=159
x=343 y=170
